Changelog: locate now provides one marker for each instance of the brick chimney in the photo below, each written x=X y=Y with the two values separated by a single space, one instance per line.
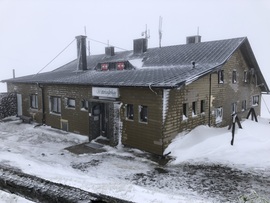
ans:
x=193 y=39
x=109 y=51
x=139 y=45
x=81 y=53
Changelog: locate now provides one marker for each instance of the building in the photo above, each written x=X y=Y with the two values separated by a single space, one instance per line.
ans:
x=146 y=96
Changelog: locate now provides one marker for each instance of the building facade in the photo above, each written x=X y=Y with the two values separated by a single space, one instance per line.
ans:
x=143 y=98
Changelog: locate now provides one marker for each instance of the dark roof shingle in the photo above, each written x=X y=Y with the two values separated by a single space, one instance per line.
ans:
x=165 y=67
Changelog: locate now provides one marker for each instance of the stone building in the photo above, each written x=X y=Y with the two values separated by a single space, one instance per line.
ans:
x=144 y=97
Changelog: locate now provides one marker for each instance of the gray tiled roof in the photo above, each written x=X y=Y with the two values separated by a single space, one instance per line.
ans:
x=165 y=67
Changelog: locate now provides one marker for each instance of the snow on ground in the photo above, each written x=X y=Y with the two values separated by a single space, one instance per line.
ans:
x=212 y=145
x=130 y=174
x=11 y=198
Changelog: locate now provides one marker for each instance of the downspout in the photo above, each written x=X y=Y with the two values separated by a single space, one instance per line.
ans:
x=209 y=102
x=43 y=102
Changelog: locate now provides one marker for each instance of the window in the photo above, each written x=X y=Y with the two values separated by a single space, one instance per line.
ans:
x=234 y=76
x=34 y=101
x=185 y=111
x=130 y=112
x=202 y=106
x=71 y=103
x=255 y=100
x=104 y=66
x=194 y=108
x=55 y=103
x=84 y=104
x=219 y=115
x=234 y=107
x=244 y=105
x=120 y=66
x=245 y=76
x=143 y=114
x=220 y=77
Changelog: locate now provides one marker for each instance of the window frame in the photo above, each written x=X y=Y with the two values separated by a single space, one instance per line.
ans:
x=194 y=108
x=202 y=105
x=234 y=107
x=245 y=76
x=84 y=105
x=130 y=112
x=234 y=77
x=120 y=66
x=221 y=77
x=54 y=100
x=255 y=100
x=143 y=109
x=34 y=101
x=244 y=105
x=69 y=105
x=104 y=66
x=185 y=111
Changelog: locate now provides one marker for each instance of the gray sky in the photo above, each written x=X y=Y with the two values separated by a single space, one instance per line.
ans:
x=33 y=32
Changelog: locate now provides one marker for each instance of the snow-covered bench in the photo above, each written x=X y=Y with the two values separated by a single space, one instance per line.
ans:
x=26 y=119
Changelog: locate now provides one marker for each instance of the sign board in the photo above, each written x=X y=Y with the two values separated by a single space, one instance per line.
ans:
x=105 y=92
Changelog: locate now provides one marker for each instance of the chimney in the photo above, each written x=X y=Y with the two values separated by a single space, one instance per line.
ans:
x=194 y=39
x=139 y=45
x=109 y=51
x=81 y=53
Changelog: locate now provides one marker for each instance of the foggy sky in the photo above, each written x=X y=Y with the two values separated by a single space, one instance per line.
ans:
x=33 y=32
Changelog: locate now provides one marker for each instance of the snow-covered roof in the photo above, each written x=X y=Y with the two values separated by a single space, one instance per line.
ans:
x=165 y=67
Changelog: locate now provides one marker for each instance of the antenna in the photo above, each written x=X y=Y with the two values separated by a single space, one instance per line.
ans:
x=160 y=30
x=88 y=48
x=88 y=45
x=146 y=33
x=85 y=31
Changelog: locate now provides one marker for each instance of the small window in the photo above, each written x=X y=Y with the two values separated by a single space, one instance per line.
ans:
x=84 y=104
x=255 y=100
x=234 y=107
x=34 y=101
x=143 y=114
x=234 y=76
x=219 y=115
x=185 y=111
x=220 y=77
x=244 y=105
x=104 y=66
x=55 y=104
x=202 y=106
x=71 y=103
x=120 y=66
x=194 y=108
x=245 y=76
x=130 y=112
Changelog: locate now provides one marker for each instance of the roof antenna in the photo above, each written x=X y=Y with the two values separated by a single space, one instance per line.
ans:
x=88 y=45
x=160 y=30
x=146 y=33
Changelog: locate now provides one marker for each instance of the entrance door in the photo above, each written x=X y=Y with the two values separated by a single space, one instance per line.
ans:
x=19 y=104
x=99 y=120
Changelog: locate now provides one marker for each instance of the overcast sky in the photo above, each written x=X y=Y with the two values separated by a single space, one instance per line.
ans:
x=33 y=32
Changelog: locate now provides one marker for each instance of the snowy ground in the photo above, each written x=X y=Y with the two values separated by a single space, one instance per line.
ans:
x=205 y=167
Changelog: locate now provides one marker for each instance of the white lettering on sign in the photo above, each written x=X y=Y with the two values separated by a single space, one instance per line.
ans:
x=105 y=92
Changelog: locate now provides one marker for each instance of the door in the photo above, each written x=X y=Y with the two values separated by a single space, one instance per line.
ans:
x=98 y=120
x=19 y=104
